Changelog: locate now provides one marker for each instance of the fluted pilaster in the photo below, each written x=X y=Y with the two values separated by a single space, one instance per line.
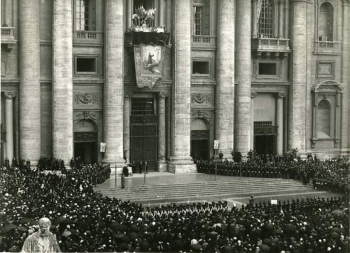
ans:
x=9 y=125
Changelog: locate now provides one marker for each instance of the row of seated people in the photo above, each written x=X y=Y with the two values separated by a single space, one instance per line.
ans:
x=84 y=221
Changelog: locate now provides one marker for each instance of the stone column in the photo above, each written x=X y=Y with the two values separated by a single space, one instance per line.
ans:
x=297 y=106
x=130 y=12
x=225 y=70
x=279 y=121
x=280 y=16
x=243 y=75
x=168 y=15
x=62 y=91
x=181 y=108
x=114 y=82
x=29 y=88
x=345 y=129
x=127 y=127
x=161 y=132
x=253 y=95
x=162 y=12
x=254 y=19
x=7 y=19
x=9 y=126
x=286 y=23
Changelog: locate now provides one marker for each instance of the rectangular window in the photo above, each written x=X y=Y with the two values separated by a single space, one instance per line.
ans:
x=85 y=15
x=84 y=65
x=269 y=69
x=265 y=15
x=198 y=19
x=200 y=68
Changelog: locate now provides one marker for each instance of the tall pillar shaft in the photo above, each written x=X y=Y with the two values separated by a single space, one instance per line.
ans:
x=162 y=12
x=280 y=22
x=299 y=56
x=127 y=127
x=114 y=82
x=29 y=88
x=254 y=19
x=62 y=92
x=9 y=126
x=161 y=127
x=279 y=120
x=345 y=130
x=243 y=76
x=225 y=62
x=129 y=8
x=168 y=15
x=181 y=108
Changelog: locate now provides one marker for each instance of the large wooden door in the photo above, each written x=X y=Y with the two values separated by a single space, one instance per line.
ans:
x=144 y=140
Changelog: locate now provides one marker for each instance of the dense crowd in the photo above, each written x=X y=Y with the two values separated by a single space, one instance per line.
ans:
x=87 y=221
x=333 y=175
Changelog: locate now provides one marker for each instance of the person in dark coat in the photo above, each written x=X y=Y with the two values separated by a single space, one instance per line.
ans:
x=140 y=167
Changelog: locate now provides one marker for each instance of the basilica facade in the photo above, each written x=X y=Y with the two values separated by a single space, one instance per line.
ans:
x=117 y=81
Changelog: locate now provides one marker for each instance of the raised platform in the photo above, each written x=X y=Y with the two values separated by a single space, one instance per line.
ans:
x=158 y=187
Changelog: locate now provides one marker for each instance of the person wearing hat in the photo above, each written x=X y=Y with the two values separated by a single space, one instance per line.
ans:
x=42 y=241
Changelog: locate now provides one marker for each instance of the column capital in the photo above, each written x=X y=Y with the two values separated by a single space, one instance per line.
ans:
x=253 y=94
x=10 y=94
x=163 y=95
x=281 y=95
x=128 y=95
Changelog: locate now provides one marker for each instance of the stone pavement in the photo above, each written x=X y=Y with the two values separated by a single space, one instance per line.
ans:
x=161 y=188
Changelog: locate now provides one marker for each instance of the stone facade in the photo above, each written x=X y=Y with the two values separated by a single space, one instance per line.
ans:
x=224 y=76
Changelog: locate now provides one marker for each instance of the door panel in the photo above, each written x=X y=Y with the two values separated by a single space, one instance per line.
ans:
x=144 y=140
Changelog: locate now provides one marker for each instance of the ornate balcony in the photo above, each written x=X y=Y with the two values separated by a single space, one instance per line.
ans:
x=88 y=37
x=328 y=47
x=203 y=41
x=270 y=47
x=7 y=38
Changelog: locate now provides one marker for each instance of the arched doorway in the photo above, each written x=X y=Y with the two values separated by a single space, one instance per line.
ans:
x=85 y=141
x=199 y=139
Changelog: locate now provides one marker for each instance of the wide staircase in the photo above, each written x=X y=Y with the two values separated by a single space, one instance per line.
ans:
x=234 y=187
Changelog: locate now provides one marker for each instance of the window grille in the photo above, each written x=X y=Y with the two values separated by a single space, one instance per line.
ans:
x=142 y=106
x=265 y=21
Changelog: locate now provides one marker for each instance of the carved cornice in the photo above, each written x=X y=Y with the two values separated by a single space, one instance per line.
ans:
x=10 y=94
x=328 y=84
x=201 y=98
x=87 y=98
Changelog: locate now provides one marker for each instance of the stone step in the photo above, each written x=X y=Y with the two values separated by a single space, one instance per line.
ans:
x=196 y=189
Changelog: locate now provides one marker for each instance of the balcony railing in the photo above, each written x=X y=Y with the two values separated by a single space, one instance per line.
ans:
x=203 y=41
x=88 y=37
x=8 y=37
x=270 y=44
x=327 y=47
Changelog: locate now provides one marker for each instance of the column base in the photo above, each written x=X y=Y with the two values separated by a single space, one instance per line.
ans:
x=162 y=166
x=182 y=168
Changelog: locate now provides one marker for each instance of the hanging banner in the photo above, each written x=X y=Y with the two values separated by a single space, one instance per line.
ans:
x=148 y=65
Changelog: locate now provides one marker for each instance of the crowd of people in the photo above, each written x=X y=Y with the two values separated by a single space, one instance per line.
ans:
x=332 y=175
x=86 y=221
